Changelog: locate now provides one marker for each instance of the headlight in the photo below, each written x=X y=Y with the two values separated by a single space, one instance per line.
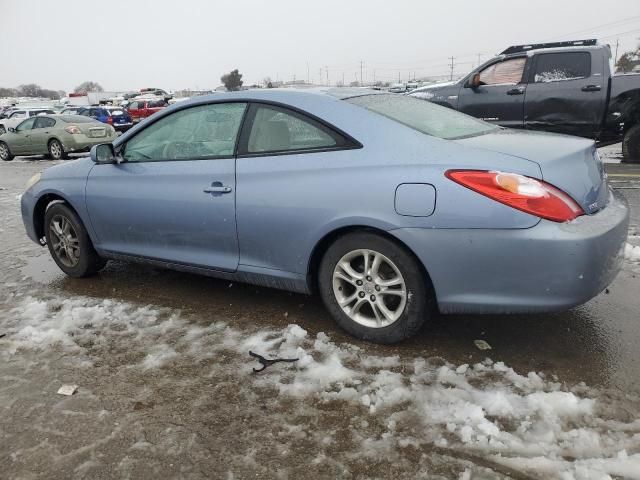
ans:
x=33 y=180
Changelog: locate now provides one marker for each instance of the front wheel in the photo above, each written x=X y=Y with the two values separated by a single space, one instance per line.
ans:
x=2 y=130
x=631 y=145
x=5 y=153
x=69 y=243
x=374 y=288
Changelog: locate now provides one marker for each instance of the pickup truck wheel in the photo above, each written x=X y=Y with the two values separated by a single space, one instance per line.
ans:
x=631 y=145
x=5 y=153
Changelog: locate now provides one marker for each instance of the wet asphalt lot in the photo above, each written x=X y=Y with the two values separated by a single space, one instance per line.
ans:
x=598 y=344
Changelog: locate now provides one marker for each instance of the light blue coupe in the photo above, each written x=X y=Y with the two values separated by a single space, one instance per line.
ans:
x=390 y=207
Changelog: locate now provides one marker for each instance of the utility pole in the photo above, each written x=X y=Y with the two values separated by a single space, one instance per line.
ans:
x=361 y=81
x=451 y=76
x=307 y=72
x=343 y=79
x=374 y=77
x=398 y=77
x=615 y=59
x=320 y=76
x=327 y=70
x=479 y=56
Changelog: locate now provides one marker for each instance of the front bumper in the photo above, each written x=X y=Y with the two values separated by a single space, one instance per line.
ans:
x=549 y=267
x=27 y=206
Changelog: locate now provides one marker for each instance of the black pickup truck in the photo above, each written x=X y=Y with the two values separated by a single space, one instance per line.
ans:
x=564 y=87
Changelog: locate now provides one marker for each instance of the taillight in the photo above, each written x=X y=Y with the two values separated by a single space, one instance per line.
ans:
x=73 y=130
x=110 y=120
x=523 y=193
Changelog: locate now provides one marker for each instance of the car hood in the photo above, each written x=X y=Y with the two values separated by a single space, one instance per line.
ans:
x=569 y=163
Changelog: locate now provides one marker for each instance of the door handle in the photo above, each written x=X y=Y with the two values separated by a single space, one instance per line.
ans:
x=516 y=91
x=591 y=88
x=217 y=187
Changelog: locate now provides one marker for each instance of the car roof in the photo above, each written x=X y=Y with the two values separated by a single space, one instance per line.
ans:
x=284 y=95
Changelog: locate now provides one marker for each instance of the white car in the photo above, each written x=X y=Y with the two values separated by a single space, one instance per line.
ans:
x=19 y=114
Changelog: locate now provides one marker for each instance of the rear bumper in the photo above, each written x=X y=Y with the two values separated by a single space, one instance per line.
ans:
x=82 y=143
x=546 y=268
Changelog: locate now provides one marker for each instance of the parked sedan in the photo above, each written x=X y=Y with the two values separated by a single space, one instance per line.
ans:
x=54 y=135
x=388 y=206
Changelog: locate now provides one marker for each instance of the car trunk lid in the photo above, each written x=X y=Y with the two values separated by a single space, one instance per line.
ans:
x=569 y=163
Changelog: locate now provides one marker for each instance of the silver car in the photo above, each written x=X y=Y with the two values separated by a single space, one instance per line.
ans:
x=54 y=135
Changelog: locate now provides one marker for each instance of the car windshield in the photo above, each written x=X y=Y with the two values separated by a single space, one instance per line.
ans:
x=423 y=116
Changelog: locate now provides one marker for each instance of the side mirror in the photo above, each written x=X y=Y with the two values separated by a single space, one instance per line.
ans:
x=474 y=82
x=11 y=129
x=103 y=153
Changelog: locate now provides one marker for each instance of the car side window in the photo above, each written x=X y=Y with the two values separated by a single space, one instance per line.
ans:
x=48 y=122
x=506 y=72
x=276 y=129
x=44 y=122
x=18 y=114
x=26 y=125
x=133 y=105
x=206 y=131
x=555 y=67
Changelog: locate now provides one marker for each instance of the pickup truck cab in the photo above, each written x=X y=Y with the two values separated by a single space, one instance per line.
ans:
x=564 y=87
x=140 y=109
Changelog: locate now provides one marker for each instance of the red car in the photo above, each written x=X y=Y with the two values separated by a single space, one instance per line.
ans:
x=140 y=109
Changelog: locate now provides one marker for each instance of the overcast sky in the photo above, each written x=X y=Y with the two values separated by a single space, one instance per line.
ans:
x=170 y=44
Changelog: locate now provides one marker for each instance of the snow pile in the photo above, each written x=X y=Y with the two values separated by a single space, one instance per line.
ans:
x=483 y=411
x=632 y=253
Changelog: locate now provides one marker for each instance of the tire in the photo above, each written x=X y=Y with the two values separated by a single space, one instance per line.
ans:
x=631 y=145
x=2 y=130
x=395 y=264
x=5 y=153
x=79 y=258
x=56 y=150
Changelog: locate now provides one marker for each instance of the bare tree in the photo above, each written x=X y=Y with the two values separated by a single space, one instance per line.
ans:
x=267 y=82
x=628 y=61
x=88 y=86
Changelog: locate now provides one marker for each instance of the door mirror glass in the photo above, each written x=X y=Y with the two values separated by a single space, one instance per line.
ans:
x=103 y=153
x=12 y=130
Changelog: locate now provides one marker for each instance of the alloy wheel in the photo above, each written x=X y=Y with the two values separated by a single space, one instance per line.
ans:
x=64 y=241
x=55 y=149
x=369 y=288
x=4 y=151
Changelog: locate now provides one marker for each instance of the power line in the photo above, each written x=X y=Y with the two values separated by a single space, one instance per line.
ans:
x=451 y=78
x=598 y=27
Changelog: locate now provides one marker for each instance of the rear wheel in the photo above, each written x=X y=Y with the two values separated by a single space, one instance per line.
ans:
x=56 y=150
x=374 y=288
x=631 y=145
x=5 y=153
x=2 y=130
x=69 y=243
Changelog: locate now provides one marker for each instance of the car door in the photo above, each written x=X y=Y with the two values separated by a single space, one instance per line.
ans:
x=40 y=134
x=566 y=93
x=173 y=196
x=500 y=96
x=21 y=143
x=287 y=167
